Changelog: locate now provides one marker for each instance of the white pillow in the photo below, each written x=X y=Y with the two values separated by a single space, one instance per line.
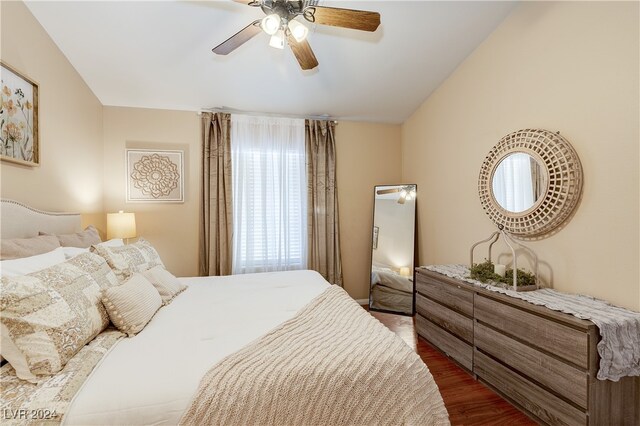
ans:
x=28 y=265
x=115 y=242
x=71 y=252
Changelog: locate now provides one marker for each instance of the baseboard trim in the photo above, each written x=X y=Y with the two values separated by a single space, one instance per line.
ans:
x=362 y=301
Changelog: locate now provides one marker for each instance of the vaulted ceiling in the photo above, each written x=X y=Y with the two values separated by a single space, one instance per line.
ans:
x=157 y=54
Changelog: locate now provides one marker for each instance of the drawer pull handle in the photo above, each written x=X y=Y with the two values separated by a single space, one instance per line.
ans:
x=458 y=286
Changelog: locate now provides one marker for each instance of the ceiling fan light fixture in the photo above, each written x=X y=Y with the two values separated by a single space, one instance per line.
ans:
x=298 y=30
x=277 y=40
x=271 y=24
x=279 y=17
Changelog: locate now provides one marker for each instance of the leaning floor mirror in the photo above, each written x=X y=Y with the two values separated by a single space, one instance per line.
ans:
x=393 y=249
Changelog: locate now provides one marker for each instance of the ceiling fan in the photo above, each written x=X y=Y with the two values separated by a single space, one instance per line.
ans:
x=280 y=23
x=407 y=193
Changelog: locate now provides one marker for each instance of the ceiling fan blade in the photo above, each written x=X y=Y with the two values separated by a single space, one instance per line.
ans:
x=347 y=18
x=249 y=2
x=303 y=53
x=388 y=191
x=238 y=39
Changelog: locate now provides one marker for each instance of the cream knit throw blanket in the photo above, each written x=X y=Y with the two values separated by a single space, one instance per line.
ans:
x=331 y=364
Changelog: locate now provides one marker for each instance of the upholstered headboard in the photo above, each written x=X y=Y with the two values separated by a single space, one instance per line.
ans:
x=20 y=221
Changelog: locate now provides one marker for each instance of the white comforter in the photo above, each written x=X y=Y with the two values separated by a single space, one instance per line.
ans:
x=151 y=378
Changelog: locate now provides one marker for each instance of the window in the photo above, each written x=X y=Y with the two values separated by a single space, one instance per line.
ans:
x=269 y=194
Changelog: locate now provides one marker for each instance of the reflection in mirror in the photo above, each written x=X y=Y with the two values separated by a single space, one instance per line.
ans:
x=518 y=182
x=392 y=255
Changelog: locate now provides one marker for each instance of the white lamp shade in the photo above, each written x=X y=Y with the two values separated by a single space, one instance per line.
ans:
x=298 y=30
x=271 y=23
x=277 y=40
x=121 y=225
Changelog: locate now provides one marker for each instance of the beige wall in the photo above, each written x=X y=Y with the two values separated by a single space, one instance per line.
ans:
x=70 y=124
x=571 y=67
x=171 y=228
x=367 y=154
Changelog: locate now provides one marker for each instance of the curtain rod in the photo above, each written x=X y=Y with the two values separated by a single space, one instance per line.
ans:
x=268 y=114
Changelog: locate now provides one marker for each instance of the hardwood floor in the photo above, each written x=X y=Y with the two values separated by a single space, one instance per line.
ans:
x=468 y=401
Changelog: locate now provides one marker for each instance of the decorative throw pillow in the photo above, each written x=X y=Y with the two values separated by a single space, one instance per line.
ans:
x=46 y=317
x=165 y=282
x=132 y=304
x=126 y=260
x=17 y=248
x=82 y=239
x=97 y=267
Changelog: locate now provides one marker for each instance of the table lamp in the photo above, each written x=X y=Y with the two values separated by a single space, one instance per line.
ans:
x=121 y=225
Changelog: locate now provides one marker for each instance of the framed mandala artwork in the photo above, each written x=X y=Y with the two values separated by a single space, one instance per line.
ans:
x=155 y=176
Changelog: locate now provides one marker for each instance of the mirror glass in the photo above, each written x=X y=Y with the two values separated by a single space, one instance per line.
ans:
x=392 y=254
x=518 y=182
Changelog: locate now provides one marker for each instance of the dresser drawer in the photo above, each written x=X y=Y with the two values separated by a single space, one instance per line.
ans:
x=546 y=406
x=446 y=318
x=454 y=296
x=447 y=343
x=556 y=375
x=555 y=338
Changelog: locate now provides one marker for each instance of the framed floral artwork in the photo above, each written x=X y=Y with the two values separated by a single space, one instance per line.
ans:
x=155 y=176
x=19 y=141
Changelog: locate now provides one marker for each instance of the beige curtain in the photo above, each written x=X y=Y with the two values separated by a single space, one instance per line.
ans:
x=322 y=199
x=216 y=225
x=537 y=179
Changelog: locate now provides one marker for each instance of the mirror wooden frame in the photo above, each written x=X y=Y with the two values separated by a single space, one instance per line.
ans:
x=564 y=181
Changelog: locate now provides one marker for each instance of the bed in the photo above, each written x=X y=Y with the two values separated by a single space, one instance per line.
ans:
x=391 y=291
x=286 y=347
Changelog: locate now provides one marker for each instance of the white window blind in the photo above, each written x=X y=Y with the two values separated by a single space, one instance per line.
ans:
x=269 y=194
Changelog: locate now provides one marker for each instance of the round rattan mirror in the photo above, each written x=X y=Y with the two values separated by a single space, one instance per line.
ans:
x=519 y=182
x=530 y=182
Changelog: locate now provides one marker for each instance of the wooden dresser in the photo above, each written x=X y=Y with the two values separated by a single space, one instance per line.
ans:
x=544 y=362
